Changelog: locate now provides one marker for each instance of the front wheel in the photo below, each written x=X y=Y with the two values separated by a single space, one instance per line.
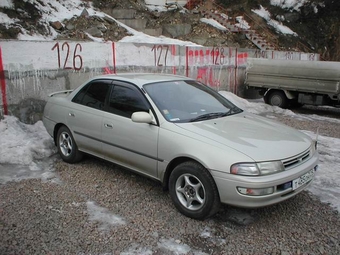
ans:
x=193 y=191
x=67 y=147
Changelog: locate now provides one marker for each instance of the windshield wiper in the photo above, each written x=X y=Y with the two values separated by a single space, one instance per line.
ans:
x=208 y=116
x=214 y=115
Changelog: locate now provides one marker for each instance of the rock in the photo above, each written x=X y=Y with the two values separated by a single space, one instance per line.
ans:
x=84 y=13
x=291 y=16
x=57 y=25
x=70 y=26
x=102 y=28
x=94 y=31
x=137 y=24
x=29 y=110
x=156 y=14
x=109 y=20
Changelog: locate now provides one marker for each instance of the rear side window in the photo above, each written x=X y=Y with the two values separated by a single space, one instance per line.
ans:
x=93 y=94
x=125 y=100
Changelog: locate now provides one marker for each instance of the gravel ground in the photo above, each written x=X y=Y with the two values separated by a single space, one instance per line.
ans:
x=312 y=122
x=99 y=208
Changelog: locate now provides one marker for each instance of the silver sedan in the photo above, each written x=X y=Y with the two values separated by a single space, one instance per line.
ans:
x=200 y=146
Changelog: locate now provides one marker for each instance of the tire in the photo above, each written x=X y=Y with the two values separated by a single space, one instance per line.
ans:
x=277 y=98
x=193 y=191
x=67 y=147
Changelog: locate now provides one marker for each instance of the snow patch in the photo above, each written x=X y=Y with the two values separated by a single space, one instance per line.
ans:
x=4 y=19
x=103 y=216
x=26 y=151
x=254 y=107
x=289 y=4
x=24 y=143
x=264 y=13
x=206 y=233
x=242 y=23
x=326 y=184
x=213 y=23
x=136 y=249
x=174 y=246
x=95 y=39
x=7 y=4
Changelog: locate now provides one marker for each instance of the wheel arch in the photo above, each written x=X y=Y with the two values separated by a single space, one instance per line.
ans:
x=55 y=131
x=171 y=166
x=277 y=97
x=289 y=94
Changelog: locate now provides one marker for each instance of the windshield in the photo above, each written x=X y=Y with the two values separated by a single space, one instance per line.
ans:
x=189 y=101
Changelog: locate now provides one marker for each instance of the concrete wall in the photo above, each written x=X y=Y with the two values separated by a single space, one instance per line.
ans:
x=165 y=2
x=30 y=70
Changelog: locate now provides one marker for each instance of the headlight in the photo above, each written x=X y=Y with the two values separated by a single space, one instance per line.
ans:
x=245 y=169
x=270 y=167
x=254 y=169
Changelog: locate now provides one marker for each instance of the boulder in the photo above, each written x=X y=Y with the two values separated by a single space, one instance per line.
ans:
x=176 y=30
x=94 y=31
x=57 y=25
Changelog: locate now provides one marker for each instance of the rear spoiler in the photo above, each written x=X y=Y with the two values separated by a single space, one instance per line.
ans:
x=60 y=92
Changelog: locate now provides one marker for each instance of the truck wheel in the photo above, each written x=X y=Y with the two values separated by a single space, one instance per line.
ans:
x=277 y=98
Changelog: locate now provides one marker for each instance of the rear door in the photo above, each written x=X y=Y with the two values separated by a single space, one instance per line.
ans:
x=86 y=116
x=133 y=145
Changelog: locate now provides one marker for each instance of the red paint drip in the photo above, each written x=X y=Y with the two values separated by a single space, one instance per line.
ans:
x=114 y=57
x=187 y=61
x=173 y=53
x=3 y=84
x=107 y=70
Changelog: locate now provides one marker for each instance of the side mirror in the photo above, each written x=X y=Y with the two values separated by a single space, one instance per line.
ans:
x=141 y=117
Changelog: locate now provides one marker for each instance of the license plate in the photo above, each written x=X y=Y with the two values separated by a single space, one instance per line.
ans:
x=303 y=179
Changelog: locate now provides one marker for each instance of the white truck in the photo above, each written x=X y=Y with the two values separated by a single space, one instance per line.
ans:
x=292 y=83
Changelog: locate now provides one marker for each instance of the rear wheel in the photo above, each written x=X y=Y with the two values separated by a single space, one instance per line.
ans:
x=277 y=98
x=193 y=191
x=67 y=147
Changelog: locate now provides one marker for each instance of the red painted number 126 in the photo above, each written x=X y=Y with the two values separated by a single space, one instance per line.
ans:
x=66 y=47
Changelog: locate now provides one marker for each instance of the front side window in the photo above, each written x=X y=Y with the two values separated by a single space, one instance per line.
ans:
x=93 y=94
x=124 y=101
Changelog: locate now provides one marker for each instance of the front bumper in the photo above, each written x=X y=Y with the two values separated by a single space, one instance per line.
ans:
x=227 y=185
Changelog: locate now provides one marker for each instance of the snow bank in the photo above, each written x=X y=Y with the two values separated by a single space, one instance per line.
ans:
x=22 y=144
x=264 y=13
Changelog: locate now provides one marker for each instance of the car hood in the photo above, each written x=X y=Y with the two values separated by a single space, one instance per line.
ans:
x=257 y=137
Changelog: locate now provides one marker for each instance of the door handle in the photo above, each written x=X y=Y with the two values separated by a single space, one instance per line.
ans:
x=108 y=125
x=71 y=114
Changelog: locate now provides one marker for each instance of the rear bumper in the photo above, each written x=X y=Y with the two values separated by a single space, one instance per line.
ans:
x=227 y=185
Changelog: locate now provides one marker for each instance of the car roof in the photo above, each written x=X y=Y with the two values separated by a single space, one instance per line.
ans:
x=141 y=79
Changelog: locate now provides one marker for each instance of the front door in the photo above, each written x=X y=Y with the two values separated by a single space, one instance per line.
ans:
x=133 y=145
